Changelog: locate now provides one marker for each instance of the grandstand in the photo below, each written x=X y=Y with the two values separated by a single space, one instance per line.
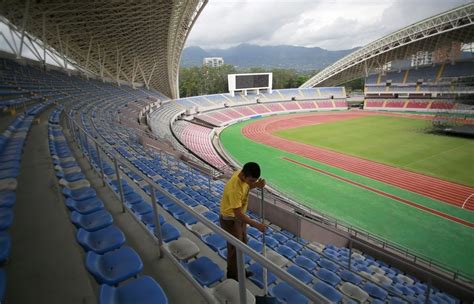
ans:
x=115 y=177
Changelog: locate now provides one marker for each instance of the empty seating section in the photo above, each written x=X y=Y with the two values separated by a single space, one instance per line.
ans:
x=198 y=139
x=410 y=104
x=107 y=259
x=441 y=80
x=117 y=266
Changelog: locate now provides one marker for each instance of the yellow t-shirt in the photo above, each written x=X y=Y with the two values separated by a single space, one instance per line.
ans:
x=235 y=195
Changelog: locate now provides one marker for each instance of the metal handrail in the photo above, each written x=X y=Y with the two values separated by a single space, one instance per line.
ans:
x=240 y=246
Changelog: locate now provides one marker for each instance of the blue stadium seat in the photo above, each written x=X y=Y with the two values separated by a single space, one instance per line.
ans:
x=102 y=240
x=148 y=220
x=305 y=263
x=328 y=292
x=215 y=241
x=325 y=263
x=133 y=198
x=310 y=254
x=254 y=232
x=144 y=290
x=115 y=266
x=375 y=291
x=328 y=276
x=86 y=206
x=80 y=194
x=186 y=218
x=7 y=198
x=5 y=246
x=301 y=274
x=205 y=271
x=257 y=275
x=271 y=242
x=169 y=232
x=141 y=208
x=280 y=237
x=92 y=221
x=351 y=277
x=213 y=217
x=286 y=252
x=6 y=218
x=255 y=245
x=287 y=294
x=294 y=245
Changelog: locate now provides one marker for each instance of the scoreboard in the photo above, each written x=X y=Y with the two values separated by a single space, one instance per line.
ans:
x=250 y=81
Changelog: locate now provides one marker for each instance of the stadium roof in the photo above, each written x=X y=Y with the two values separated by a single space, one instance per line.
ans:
x=426 y=35
x=133 y=41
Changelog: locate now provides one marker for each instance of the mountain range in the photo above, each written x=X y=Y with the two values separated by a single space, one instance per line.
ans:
x=245 y=56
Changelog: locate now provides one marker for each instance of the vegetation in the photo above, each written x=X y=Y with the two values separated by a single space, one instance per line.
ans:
x=194 y=81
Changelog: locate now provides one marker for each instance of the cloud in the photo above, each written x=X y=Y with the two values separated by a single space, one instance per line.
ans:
x=336 y=24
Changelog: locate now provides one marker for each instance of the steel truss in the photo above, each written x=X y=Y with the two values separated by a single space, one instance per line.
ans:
x=131 y=41
x=426 y=35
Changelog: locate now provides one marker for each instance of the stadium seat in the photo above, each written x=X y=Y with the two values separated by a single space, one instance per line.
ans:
x=328 y=292
x=6 y=218
x=169 y=232
x=215 y=241
x=141 y=208
x=277 y=258
x=310 y=254
x=80 y=194
x=257 y=275
x=328 y=276
x=205 y=271
x=148 y=219
x=286 y=252
x=351 y=277
x=305 y=263
x=255 y=245
x=144 y=290
x=228 y=292
x=375 y=291
x=186 y=218
x=7 y=198
x=5 y=246
x=86 y=206
x=301 y=274
x=325 y=263
x=200 y=229
x=102 y=240
x=294 y=245
x=92 y=221
x=287 y=294
x=254 y=232
x=354 y=292
x=115 y=266
x=183 y=249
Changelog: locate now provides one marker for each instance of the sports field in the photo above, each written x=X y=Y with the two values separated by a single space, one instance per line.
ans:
x=428 y=226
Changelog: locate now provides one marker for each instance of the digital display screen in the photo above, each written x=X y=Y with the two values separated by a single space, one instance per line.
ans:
x=251 y=81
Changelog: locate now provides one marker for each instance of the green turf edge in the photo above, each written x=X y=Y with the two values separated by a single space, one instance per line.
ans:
x=432 y=236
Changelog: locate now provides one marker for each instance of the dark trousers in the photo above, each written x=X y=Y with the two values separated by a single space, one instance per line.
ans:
x=239 y=230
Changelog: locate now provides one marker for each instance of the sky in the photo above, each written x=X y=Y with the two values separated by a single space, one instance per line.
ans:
x=329 y=24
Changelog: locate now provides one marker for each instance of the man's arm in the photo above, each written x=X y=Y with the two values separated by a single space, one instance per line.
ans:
x=241 y=216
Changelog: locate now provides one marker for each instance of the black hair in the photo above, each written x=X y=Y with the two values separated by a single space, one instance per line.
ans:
x=251 y=170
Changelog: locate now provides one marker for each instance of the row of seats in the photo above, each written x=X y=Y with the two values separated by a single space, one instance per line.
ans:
x=111 y=262
x=225 y=116
x=12 y=142
x=410 y=104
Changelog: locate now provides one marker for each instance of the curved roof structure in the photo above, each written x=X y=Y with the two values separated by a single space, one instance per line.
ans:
x=426 y=35
x=132 y=41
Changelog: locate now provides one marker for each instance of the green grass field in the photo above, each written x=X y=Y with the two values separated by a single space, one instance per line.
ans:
x=427 y=235
x=397 y=141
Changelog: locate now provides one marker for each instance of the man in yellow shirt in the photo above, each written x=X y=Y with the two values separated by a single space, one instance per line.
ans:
x=233 y=207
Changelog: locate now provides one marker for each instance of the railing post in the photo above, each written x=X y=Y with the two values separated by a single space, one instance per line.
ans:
x=241 y=276
x=156 y=218
x=428 y=291
x=350 y=254
x=102 y=174
x=119 y=182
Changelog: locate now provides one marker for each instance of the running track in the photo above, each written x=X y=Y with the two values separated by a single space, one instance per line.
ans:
x=445 y=191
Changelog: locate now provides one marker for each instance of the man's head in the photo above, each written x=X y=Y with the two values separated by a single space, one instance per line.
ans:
x=250 y=173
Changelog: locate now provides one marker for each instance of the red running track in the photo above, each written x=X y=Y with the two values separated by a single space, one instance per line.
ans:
x=445 y=191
